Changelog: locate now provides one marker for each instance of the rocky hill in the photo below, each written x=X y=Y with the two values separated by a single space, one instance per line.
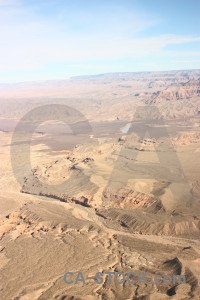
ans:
x=178 y=92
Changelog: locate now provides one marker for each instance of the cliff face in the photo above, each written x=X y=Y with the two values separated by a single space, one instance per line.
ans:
x=183 y=91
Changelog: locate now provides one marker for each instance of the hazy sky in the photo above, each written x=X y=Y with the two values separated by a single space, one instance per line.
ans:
x=56 y=39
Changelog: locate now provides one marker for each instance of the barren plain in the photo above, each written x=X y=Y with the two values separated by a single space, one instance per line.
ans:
x=115 y=188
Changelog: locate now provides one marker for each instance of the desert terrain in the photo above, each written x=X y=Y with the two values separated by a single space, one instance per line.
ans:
x=110 y=183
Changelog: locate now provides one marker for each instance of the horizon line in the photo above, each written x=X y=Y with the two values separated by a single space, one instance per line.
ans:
x=97 y=74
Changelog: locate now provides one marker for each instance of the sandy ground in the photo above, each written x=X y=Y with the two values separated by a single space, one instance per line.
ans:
x=117 y=200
